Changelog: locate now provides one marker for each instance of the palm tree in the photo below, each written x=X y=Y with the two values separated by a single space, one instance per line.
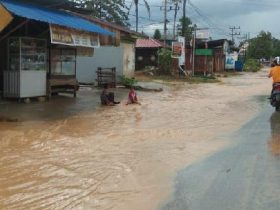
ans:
x=136 y=3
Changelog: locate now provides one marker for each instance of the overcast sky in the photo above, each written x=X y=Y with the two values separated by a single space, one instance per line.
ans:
x=251 y=15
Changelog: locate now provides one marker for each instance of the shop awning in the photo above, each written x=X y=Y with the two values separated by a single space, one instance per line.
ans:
x=52 y=17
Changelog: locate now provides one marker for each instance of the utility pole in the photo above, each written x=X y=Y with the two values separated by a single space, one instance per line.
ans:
x=233 y=32
x=164 y=8
x=193 y=53
x=184 y=18
x=175 y=18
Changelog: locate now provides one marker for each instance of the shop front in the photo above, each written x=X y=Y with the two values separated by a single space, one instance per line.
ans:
x=39 y=46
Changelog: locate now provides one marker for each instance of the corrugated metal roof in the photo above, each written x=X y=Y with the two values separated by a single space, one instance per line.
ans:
x=52 y=16
x=148 y=43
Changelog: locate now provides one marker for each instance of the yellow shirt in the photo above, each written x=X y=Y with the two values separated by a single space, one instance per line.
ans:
x=275 y=74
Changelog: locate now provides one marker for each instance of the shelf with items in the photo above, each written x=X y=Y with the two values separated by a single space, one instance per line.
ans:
x=27 y=68
x=27 y=54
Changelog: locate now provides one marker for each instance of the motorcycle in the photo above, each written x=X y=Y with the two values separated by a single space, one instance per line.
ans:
x=275 y=96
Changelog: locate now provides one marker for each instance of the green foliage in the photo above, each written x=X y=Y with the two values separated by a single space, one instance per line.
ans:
x=252 y=65
x=157 y=34
x=165 y=61
x=111 y=11
x=188 y=28
x=276 y=47
x=127 y=82
x=261 y=46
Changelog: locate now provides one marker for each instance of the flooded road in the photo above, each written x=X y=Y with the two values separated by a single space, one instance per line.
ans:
x=73 y=154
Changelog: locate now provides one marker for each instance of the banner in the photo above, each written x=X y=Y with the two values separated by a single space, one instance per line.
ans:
x=182 y=58
x=176 y=49
x=230 y=60
x=71 y=37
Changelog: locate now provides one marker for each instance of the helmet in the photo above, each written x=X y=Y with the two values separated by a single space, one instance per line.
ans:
x=276 y=60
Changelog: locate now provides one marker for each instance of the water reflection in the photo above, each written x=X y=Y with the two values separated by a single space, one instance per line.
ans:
x=275 y=133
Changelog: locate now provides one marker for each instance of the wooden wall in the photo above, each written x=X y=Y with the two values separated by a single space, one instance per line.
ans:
x=215 y=63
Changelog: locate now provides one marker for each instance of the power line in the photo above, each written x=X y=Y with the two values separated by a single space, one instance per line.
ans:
x=207 y=20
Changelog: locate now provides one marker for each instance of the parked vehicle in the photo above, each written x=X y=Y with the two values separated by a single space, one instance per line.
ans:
x=275 y=97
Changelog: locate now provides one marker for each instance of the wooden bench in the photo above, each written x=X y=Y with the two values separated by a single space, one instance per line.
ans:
x=106 y=76
x=56 y=86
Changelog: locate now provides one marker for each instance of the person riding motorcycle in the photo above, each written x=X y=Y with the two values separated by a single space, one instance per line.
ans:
x=275 y=72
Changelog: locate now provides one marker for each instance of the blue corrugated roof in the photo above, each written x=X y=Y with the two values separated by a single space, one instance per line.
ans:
x=52 y=16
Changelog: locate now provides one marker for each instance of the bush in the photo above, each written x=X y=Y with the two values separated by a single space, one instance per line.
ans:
x=165 y=61
x=127 y=82
x=252 y=65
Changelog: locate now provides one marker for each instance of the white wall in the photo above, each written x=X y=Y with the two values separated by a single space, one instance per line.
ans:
x=122 y=57
x=104 y=57
x=128 y=59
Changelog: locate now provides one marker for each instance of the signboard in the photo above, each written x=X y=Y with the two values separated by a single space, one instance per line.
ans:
x=182 y=58
x=230 y=60
x=71 y=37
x=5 y=18
x=206 y=52
x=176 y=49
x=202 y=34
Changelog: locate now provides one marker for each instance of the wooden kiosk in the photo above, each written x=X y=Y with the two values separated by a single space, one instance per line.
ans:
x=40 y=47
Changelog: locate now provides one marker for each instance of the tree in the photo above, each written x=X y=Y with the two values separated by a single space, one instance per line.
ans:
x=276 y=47
x=188 y=29
x=157 y=34
x=136 y=3
x=111 y=11
x=261 y=46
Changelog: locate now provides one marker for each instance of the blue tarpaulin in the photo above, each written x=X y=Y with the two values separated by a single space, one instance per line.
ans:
x=52 y=16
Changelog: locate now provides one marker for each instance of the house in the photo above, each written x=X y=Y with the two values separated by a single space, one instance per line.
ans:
x=147 y=52
x=209 y=56
x=117 y=52
x=39 y=48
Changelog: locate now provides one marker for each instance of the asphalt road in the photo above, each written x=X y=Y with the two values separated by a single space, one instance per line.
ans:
x=245 y=176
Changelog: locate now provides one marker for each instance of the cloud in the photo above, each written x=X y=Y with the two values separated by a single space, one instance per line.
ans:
x=251 y=15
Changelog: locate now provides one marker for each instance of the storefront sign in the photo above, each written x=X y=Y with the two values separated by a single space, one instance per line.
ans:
x=5 y=18
x=65 y=36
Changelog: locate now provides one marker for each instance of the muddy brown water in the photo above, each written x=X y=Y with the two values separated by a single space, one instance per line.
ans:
x=74 y=154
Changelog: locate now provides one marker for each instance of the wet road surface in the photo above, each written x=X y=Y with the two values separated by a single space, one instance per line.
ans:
x=74 y=154
x=244 y=176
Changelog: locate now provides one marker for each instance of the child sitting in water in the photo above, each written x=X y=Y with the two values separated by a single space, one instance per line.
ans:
x=132 y=97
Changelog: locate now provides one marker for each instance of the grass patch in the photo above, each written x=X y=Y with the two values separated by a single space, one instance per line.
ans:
x=252 y=65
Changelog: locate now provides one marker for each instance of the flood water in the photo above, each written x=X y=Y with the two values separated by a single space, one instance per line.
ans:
x=73 y=154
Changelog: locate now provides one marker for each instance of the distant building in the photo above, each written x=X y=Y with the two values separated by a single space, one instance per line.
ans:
x=147 y=52
x=210 y=56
